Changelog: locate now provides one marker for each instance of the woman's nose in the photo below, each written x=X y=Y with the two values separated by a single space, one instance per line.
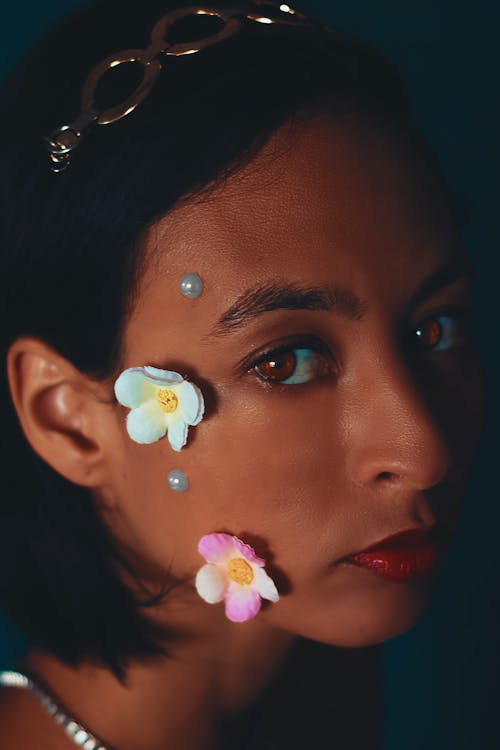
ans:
x=395 y=433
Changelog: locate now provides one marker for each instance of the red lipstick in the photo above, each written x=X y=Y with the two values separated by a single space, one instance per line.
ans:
x=406 y=556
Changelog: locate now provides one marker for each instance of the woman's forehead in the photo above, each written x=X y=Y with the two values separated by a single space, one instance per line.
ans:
x=328 y=205
x=329 y=192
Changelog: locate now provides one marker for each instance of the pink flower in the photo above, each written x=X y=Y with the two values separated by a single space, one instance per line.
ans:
x=235 y=574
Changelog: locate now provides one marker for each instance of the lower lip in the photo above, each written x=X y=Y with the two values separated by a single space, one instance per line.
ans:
x=399 y=564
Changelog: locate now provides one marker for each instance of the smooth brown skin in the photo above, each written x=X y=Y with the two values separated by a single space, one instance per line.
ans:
x=381 y=441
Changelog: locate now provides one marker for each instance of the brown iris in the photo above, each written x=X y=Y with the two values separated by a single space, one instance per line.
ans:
x=278 y=367
x=429 y=332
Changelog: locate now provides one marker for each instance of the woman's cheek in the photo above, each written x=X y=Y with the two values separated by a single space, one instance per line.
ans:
x=252 y=467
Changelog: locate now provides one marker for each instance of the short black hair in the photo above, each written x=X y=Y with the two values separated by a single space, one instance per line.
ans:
x=71 y=252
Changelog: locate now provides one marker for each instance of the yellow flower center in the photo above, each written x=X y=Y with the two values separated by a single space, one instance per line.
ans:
x=167 y=399
x=240 y=571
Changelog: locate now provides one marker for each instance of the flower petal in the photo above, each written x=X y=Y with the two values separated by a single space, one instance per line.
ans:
x=132 y=388
x=248 y=552
x=216 y=548
x=242 y=603
x=177 y=434
x=211 y=583
x=147 y=423
x=265 y=585
x=191 y=402
x=161 y=378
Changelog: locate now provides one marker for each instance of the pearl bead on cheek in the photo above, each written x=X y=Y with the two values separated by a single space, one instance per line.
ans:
x=177 y=480
x=191 y=285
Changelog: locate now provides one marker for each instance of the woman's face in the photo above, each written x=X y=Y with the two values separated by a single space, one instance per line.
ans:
x=367 y=431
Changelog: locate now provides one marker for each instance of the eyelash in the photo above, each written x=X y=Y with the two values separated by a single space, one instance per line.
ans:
x=459 y=314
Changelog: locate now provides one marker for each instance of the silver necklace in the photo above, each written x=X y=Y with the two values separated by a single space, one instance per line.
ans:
x=75 y=731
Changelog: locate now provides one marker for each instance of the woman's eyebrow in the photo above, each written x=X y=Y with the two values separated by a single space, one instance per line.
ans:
x=287 y=296
x=458 y=266
x=342 y=302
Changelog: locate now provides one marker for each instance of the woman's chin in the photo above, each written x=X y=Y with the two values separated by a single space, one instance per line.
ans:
x=371 y=631
x=371 y=612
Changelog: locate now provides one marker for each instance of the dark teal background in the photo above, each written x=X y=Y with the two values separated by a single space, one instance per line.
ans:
x=440 y=679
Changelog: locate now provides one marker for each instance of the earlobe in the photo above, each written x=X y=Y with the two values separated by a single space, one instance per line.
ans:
x=60 y=411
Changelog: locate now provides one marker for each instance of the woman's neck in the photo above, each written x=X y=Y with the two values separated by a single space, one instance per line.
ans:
x=175 y=701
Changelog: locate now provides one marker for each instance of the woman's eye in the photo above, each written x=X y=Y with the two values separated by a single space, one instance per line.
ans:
x=292 y=366
x=444 y=331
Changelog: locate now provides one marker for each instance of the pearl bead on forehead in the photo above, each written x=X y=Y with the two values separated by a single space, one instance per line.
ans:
x=191 y=285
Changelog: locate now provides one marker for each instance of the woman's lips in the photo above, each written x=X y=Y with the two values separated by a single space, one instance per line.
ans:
x=402 y=557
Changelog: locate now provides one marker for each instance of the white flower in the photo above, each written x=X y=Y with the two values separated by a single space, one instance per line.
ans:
x=162 y=402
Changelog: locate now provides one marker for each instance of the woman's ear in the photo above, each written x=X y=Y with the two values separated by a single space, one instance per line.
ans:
x=65 y=415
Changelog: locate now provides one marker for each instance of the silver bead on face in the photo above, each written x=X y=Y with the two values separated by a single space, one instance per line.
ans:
x=191 y=285
x=177 y=480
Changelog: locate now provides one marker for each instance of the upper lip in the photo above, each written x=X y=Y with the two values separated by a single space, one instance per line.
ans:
x=408 y=538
